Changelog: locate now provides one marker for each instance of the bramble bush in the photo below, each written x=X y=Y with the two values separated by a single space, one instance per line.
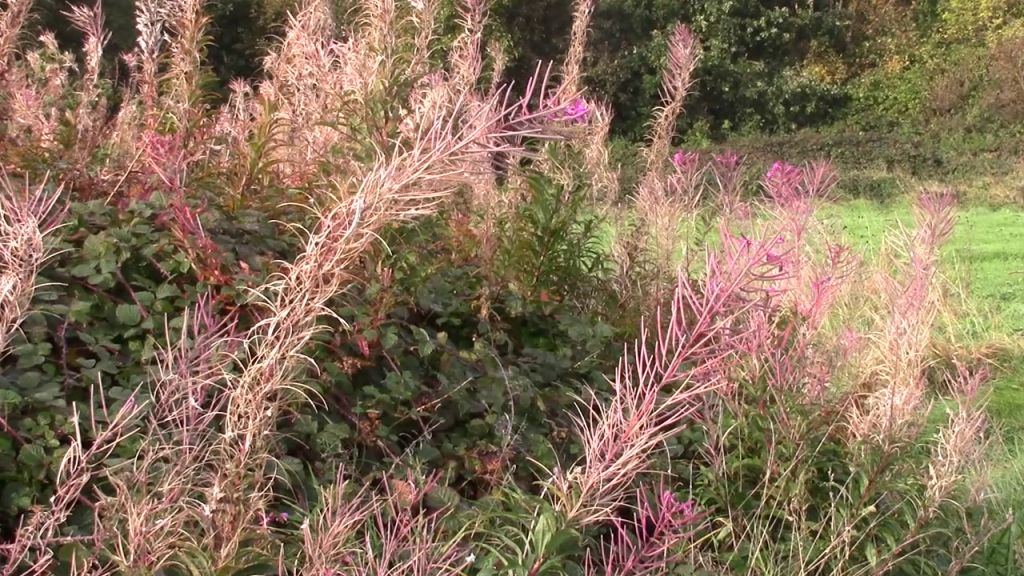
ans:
x=368 y=317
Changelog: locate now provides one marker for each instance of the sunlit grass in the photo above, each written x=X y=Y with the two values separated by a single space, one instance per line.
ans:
x=985 y=255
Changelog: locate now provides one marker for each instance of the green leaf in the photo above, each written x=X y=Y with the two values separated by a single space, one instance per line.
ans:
x=101 y=280
x=429 y=453
x=30 y=360
x=16 y=496
x=128 y=314
x=9 y=398
x=79 y=311
x=389 y=339
x=32 y=456
x=145 y=298
x=29 y=380
x=871 y=553
x=108 y=265
x=442 y=497
x=165 y=291
x=95 y=247
x=543 y=531
x=83 y=270
x=293 y=464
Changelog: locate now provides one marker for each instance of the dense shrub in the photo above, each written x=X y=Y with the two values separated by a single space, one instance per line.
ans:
x=373 y=316
x=114 y=295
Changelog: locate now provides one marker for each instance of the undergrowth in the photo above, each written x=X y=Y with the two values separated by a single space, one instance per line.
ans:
x=377 y=316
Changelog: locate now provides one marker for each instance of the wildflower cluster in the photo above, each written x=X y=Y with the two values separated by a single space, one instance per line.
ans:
x=578 y=111
x=266 y=519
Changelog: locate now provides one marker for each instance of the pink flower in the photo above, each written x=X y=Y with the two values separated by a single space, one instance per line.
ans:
x=685 y=159
x=728 y=160
x=577 y=111
x=672 y=507
x=781 y=171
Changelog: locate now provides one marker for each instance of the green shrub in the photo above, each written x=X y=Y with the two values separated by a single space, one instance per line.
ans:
x=114 y=295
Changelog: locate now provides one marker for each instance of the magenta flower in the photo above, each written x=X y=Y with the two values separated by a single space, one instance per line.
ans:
x=782 y=172
x=577 y=111
x=728 y=160
x=672 y=507
x=685 y=159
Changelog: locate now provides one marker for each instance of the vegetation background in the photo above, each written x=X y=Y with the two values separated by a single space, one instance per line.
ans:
x=365 y=287
x=891 y=88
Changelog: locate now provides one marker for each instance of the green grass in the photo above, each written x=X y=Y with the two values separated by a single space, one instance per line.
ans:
x=986 y=254
x=986 y=258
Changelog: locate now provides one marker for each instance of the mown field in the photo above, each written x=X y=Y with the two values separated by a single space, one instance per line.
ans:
x=986 y=259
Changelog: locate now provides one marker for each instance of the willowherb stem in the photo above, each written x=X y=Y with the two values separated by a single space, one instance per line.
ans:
x=653 y=394
x=683 y=54
x=26 y=217
x=652 y=541
x=12 y=22
x=572 y=69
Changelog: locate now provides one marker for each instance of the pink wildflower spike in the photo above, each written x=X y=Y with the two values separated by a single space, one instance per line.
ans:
x=668 y=500
x=728 y=160
x=683 y=159
x=687 y=508
x=577 y=111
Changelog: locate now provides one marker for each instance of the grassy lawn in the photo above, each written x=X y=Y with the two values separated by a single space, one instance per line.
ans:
x=987 y=251
x=987 y=254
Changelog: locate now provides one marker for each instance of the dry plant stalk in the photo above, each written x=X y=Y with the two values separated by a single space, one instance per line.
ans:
x=466 y=56
x=499 y=60
x=26 y=218
x=41 y=78
x=805 y=370
x=309 y=76
x=89 y=116
x=683 y=55
x=660 y=209
x=572 y=69
x=171 y=498
x=893 y=406
x=604 y=185
x=42 y=530
x=150 y=22
x=654 y=396
x=201 y=481
x=233 y=462
x=423 y=19
x=186 y=29
x=410 y=542
x=12 y=21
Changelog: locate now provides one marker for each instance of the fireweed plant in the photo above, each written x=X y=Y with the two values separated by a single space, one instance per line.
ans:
x=740 y=432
